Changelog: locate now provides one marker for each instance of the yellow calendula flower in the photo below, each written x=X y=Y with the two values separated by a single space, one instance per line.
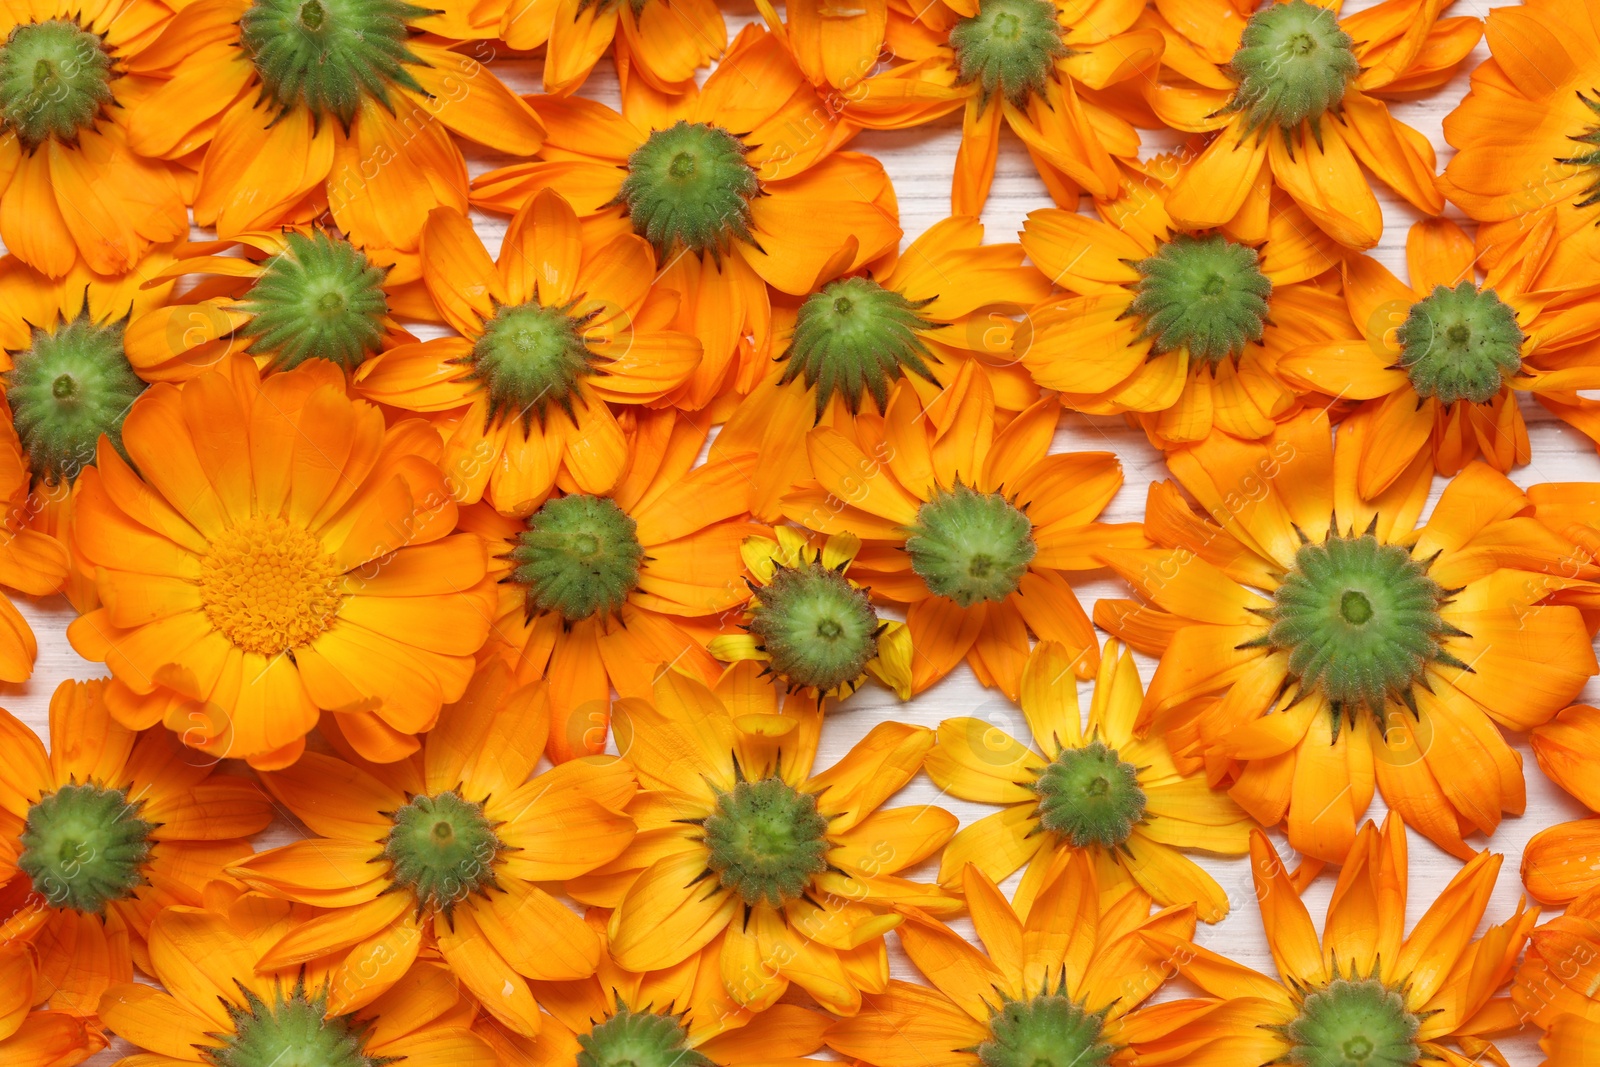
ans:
x=71 y=190
x=218 y=1005
x=1294 y=95
x=1095 y=787
x=101 y=834
x=448 y=853
x=1062 y=981
x=1364 y=986
x=723 y=770
x=1318 y=644
x=814 y=628
x=681 y=1015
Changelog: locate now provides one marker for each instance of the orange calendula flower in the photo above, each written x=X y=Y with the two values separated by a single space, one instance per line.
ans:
x=447 y=851
x=273 y=551
x=30 y=1038
x=1438 y=358
x=811 y=627
x=292 y=109
x=220 y=1006
x=1558 y=863
x=1178 y=329
x=661 y=42
x=738 y=184
x=550 y=337
x=1527 y=135
x=679 y=1016
x=974 y=528
x=100 y=835
x=1293 y=98
x=741 y=836
x=293 y=295
x=1317 y=643
x=70 y=189
x=1064 y=77
x=31 y=560
x=1555 y=986
x=597 y=590
x=949 y=300
x=1062 y=982
x=1364 y=985
x=1095 y=788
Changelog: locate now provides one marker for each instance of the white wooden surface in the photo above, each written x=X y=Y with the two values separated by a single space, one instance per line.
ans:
x=920 y=162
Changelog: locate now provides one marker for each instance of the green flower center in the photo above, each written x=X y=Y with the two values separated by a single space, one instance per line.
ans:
x=55 y=77
x=530 y=357
x=85 y=846
x=1203 y=294
x=970 y=546
x=638 y=1039
x=1460 y=344
x=1360 y=621
x=1089 y=796
x=855 y=336
x=329 y=55
x=1354 y=1023
x=441 y=849
x=580 y=555
x=689 y=186
x=817 y=629
x=67 y=389
x=1048 y=1030
x=293 y=1031
x=1009 y=47
x=320 y=298
x=1293 y=64
x=766 y=841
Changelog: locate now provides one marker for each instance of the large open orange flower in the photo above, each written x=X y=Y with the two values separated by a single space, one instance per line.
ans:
x=1316 y=643
x=277 y=553
x=100 y=835
x=70 y=189
x=293 y=109
x=740 y=835
x=550 y=337
x=684 y=1015
x=1293 y=96
x=665 y=576
x=738 y=184
x=446 y=852
x=1181 y=330
x=974 y=528
x=218 y=1003
x=1096 y=788
x=32 y=1038
x=1062 y=981
x=949 y=300
x=1429 y=996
